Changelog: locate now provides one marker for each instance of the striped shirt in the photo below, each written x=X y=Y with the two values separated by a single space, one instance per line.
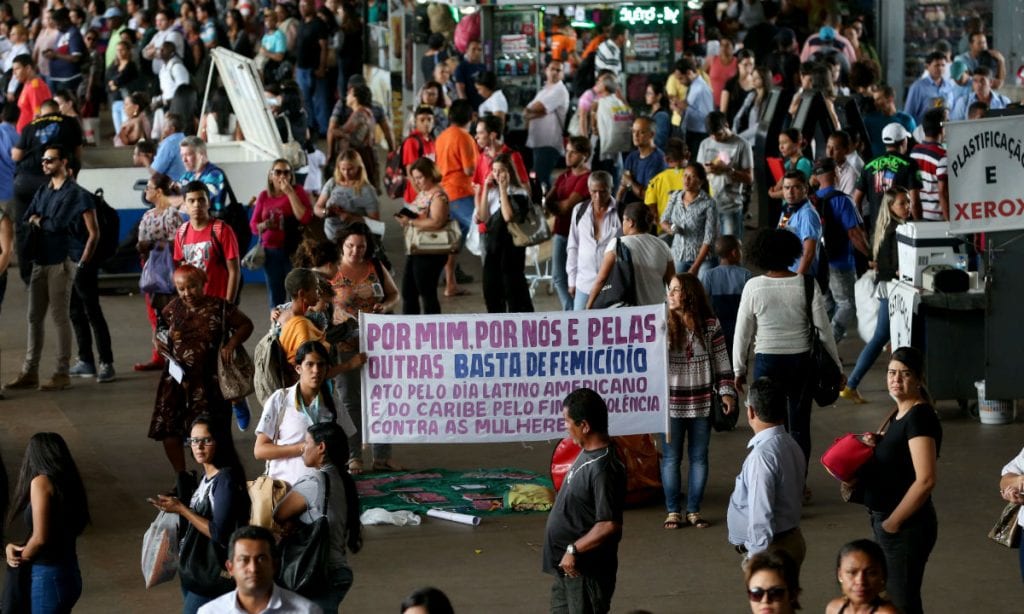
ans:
x=694 y=374
x=609 y=57
x=931 y=162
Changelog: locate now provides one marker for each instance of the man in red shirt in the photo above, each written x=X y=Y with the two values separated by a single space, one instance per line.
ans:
x=418 y=144
x=33 y=92
x=488 y=137
x=457 y=155
x=569 y=190
x=208 y=244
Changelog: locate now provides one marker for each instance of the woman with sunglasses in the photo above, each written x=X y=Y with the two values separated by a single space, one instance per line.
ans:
x=328 y=491
x=276 y=219
x=861 y=572
x=219 y=505
x=894 y=210
x=51 y=497
x=156 y=235
x=773 y=583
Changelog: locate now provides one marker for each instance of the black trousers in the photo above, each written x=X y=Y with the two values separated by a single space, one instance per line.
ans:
x=504 y=284
x=419 y=283
x=25 y=187
x=87 y=316
x=906 y=553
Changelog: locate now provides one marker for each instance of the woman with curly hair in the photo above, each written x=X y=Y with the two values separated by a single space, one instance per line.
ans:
x=773 y=319
x=698 y=369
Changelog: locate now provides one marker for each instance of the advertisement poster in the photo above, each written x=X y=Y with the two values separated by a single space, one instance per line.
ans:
x=470 y=378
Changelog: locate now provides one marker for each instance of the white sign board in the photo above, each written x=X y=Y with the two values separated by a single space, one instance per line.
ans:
x=985 y=162
x=466 y=378
x=903 y=301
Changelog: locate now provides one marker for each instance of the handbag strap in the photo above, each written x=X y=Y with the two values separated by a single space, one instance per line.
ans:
x=888 y=420
x=808 y=301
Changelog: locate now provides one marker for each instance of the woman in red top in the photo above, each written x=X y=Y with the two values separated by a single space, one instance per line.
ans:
x=280 y=210
x=721 y=68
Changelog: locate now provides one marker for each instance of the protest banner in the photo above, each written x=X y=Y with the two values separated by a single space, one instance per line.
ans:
x=985 y=158
x=903 y=301
x=470 y=378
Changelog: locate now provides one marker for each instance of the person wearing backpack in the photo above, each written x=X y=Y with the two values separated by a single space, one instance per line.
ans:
x=595 y=223
x=419 y=144
x=843 y=233
x=87 y=317
x=54 y=210
x=208 y=244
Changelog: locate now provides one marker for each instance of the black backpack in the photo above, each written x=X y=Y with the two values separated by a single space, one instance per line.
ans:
x=110 y=229
x=235 y=215
x=586 y=75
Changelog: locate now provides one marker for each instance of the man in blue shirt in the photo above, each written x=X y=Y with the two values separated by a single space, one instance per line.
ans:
x=981 y=86
x=8 y=139
x=764 y=509
x=843 y=233
x=642 y=164
x=932 y=90
x=801 y=218
x=699 y=102
x=885 y=113
x=168 y=154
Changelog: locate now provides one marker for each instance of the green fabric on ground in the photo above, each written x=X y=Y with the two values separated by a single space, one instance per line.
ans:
x=479 y=491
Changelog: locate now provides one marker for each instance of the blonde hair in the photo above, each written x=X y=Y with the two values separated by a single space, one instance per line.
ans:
x=350 y=155
x=885 y=216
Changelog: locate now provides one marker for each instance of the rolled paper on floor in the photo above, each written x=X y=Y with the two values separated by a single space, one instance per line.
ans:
x=454 y=516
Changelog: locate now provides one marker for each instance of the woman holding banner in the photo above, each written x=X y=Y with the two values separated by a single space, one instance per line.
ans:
x=698 y=368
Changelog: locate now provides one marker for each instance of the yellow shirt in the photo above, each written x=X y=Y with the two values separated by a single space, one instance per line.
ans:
x=675 y=90
x=296 y=331
x=661 y=186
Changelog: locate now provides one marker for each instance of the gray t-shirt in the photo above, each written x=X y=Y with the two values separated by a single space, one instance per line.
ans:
x=364 y=203
x=312 y=489
x=734 y=151
x=651 y=257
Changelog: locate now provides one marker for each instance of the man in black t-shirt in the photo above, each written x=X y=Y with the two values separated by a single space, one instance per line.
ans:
x=48 y=128
x=581 y=541
x=892 y=168
x=311 y=66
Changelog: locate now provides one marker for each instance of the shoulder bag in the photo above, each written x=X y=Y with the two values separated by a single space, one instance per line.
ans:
x=446 y=240
x=265 y=492
x=158 y=272
x=849 y=453
x=201 y=563
x=826 y=379
x=620 y=288
x=529 y=227
x=304 y=552
x=235 y=379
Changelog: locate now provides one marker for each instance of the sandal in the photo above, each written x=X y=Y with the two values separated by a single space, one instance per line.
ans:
x=674 y=520
x=355 y=466
x=695 y=519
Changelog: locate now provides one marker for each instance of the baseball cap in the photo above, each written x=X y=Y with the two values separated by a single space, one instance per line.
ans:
x=112 y=12
x=824 y=166
x=894 y=133
x=957 y=69
x=827 y=33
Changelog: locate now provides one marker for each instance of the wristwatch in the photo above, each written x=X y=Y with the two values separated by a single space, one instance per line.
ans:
x=571 y=549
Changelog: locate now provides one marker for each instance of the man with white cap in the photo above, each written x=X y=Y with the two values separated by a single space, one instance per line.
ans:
x=892 y=168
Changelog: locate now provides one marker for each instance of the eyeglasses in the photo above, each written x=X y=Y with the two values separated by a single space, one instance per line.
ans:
x=49 y=160
x=282 y=171
x=200 y=441
x=774 y=594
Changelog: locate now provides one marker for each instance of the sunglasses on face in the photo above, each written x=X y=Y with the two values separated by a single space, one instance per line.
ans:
x=774 y=594
x=282 y=171
x=49 y=160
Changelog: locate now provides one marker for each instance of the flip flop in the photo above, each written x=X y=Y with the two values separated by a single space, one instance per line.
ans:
x=386 y=467
x=674 y=520
x=695 y=519
x=355 y=466
x=458 y=292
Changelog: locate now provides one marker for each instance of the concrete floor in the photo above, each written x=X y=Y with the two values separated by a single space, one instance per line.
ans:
x=495 y=567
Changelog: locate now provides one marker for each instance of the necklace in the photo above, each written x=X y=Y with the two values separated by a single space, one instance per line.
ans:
x=575 y=470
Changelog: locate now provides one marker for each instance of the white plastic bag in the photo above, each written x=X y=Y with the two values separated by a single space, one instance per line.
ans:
x=160 y=550
x=398 y=518
x=867 y=305
x=474 y=241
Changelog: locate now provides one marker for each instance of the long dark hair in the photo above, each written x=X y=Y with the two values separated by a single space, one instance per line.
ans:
x=225 y=458
x=315 y=347
x=695 y=302
x=48 y=454
x=336 y=443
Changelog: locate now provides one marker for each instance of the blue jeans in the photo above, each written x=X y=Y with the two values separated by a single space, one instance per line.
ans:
x=55 y=588
x=731 y=223
x=275 y=269
x=462 y=210
x=579 y=302
x=559 y=278
x=314 y=97
x=699 y=430
x=339 y=584
x=874 y=347
x=684 y=266
x=788 y=371
x=117 y=114
x=544 y=161
x=193 y=601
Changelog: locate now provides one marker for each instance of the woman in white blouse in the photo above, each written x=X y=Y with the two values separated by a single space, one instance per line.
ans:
x=494 y=102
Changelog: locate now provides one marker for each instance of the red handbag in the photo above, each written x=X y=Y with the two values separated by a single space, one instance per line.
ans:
x=847 y=455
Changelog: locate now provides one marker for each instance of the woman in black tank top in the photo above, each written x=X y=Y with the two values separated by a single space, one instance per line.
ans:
x=861 y=571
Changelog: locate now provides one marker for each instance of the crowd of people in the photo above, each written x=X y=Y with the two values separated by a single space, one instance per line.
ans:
x=668 y=185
